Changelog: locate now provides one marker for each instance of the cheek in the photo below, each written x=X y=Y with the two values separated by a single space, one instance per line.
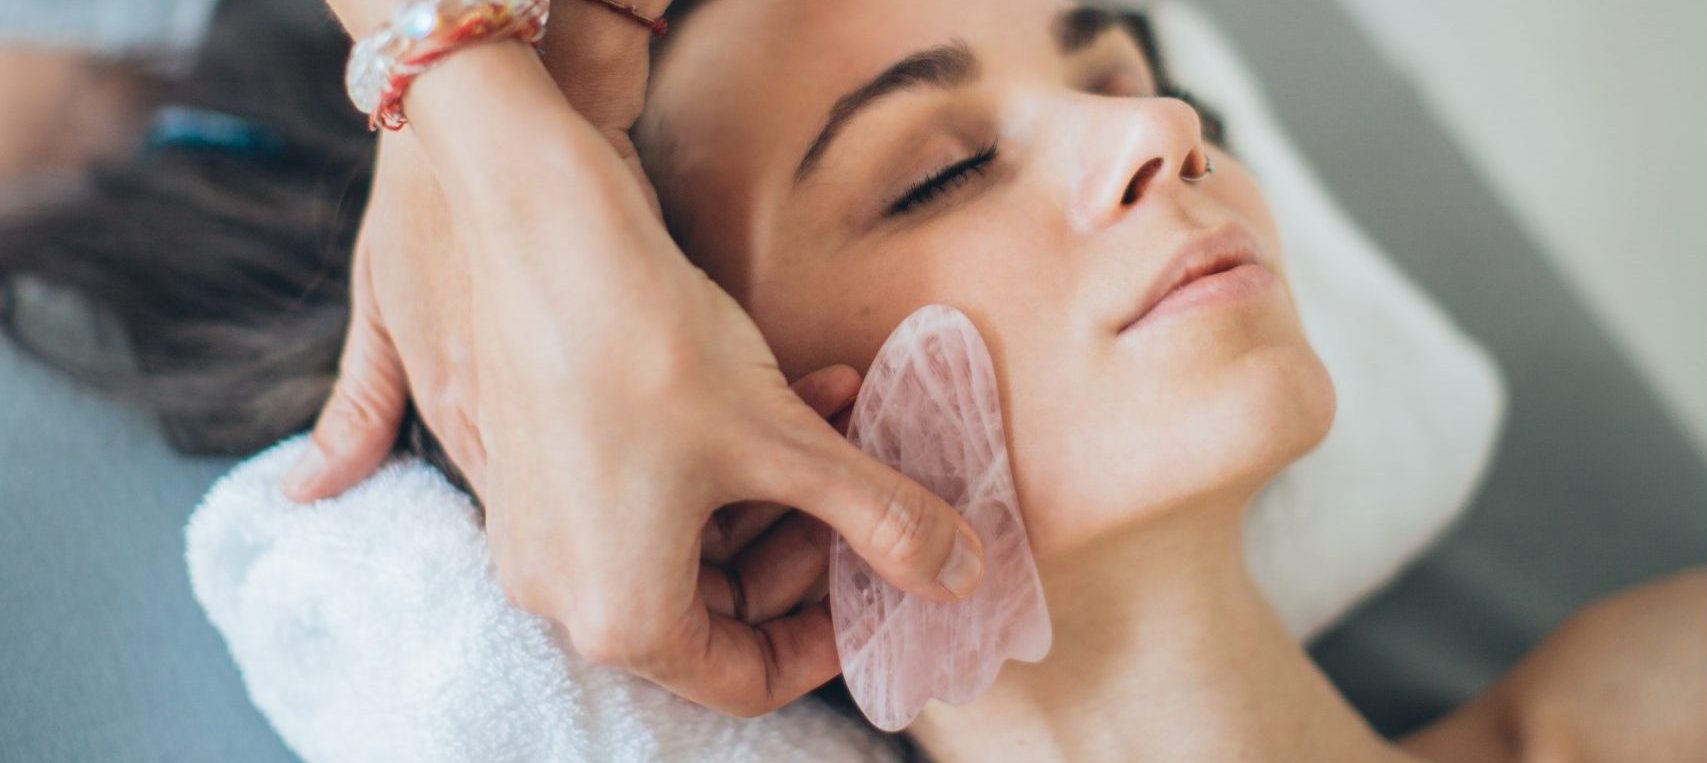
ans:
x=817 y=309
x=1099 y=440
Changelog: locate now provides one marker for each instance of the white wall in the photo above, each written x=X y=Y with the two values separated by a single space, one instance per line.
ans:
x=1590 y=118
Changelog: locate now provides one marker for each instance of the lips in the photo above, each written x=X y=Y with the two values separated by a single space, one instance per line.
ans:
x=1212 y=253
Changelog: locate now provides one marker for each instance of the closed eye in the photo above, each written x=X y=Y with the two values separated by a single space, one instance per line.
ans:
x=941 y=182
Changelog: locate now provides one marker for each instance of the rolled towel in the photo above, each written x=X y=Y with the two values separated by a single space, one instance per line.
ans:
x=370 y=628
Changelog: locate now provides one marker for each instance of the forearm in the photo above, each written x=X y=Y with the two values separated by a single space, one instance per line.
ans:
x=489 y=116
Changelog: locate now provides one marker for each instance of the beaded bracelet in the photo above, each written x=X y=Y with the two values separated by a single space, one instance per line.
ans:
x=421 y=33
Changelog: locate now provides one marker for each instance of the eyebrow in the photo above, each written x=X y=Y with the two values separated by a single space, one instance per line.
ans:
x=1077 y=28
x=946 y=67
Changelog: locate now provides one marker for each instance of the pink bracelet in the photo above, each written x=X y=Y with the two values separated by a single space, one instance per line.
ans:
x=421 y=33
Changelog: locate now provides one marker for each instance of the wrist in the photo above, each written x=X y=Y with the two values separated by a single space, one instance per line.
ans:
x=474 y=111
x=498 y=83
x=421 y=34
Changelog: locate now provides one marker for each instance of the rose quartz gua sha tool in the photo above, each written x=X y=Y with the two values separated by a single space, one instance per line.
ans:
x=929 y=409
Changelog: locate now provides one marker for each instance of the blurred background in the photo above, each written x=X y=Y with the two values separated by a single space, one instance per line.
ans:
x=1589 y=119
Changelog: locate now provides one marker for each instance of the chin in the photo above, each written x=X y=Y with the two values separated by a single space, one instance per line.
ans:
x=1280 y=408
x=1263 y=411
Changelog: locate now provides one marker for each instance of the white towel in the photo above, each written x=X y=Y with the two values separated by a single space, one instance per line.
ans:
x=369 y=628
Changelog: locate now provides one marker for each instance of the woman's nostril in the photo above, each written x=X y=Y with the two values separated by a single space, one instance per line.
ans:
x=1135 y=189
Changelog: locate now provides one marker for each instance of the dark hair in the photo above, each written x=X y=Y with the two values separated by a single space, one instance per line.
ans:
x=223 y=256
x=226 y=262
x=227 y=270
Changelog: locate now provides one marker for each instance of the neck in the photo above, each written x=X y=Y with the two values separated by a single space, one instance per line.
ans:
x=1164 y=649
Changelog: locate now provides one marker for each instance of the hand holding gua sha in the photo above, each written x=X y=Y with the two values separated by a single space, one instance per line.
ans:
x=929 y=408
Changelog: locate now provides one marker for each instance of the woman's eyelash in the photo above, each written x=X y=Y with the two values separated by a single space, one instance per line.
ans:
x=941 y=182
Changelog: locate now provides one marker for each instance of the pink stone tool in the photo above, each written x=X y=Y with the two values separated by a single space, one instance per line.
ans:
x=929 y=409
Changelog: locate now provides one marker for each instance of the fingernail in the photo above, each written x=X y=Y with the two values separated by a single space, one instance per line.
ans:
x=960 y=574
x=301 y=475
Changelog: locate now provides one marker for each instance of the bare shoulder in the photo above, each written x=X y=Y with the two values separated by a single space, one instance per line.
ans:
x=1623 y=679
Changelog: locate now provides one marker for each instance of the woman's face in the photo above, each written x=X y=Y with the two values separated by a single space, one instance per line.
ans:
x=836 y=166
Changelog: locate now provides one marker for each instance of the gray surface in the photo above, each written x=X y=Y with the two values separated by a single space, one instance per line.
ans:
x=107 y=27
x=104 y=655
x=1595 y=487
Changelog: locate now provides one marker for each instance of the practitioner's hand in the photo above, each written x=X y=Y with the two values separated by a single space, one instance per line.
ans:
x=605 y=398
x=417 y=318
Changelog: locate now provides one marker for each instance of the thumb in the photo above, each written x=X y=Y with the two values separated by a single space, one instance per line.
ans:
x=911 y=537
x=359 y=423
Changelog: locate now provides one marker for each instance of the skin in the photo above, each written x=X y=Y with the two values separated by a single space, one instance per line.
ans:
x=1137 y=454
x=1622 y=679
x=632 y=452
x=1041 y=251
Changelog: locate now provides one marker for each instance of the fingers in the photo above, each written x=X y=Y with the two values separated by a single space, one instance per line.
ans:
x=828 y=392
x=741 y=651
x=768 y=581
x=359 y=423
x=750 y=670
x=733 y=527
x=716 y=660
x=911 y=537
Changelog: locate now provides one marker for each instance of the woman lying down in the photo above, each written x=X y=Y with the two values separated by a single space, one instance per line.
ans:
x=1028 y=163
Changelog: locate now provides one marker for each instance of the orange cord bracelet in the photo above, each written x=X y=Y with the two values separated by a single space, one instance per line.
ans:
x=423 y=32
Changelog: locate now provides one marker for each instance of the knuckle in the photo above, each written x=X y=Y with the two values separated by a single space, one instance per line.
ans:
x=904 y=532
x=600 y=647
x=357 y=407
x=518 y=599
x=608 y=636
x=750 y=708
x=453 y=420
x=517 y=590
x=442 y=415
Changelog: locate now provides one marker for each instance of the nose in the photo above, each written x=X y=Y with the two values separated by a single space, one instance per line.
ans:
x=1127 y=153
